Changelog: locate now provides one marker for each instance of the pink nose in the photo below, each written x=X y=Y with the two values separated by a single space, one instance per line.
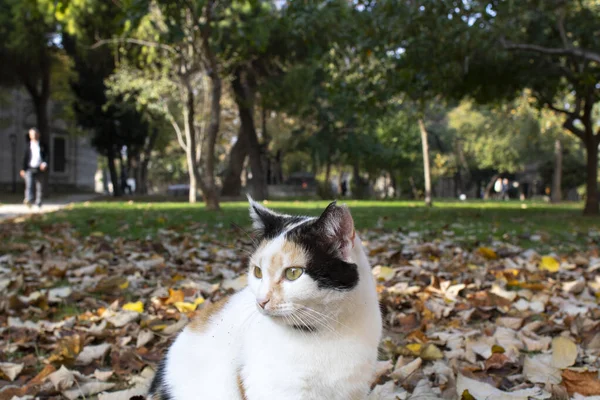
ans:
x=263 y=303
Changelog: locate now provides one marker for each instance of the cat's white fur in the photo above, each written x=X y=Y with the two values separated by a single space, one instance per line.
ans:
x=275 y=361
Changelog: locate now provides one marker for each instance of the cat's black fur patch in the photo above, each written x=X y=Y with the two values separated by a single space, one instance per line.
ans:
x=274 y=224
x=305 y=328
x=324 y=265
x=158 y=389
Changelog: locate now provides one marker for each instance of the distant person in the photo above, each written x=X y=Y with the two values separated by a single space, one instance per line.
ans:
x=344 y=187
x=35 y=162
x=504 y=195
x=498 y=186
x=125 y=188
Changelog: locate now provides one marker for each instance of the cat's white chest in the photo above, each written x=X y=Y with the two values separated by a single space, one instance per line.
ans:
x=302 y=365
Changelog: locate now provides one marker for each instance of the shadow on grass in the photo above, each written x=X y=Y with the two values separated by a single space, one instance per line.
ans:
x=527 y=224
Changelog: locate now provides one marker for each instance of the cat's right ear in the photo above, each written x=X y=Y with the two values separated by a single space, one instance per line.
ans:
x=265 y=222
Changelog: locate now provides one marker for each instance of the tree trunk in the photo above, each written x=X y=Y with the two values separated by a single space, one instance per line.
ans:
x=489 y=187
x=591 y=198
x=209 y=184
x=114 y=177
x=142 y=178
x=557 y=177
x=413 y=187
x=426 y=170
x=232 y=180
x=245 y=108
x=190 y=138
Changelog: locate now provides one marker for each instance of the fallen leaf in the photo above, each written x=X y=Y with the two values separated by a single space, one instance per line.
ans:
x=138 y=306
x=497 y=361
x=91 y=353
x=175 y=296
x=404 y=371
x=549 y=263
x=539 y=369
x=488 y=253
x=87 y=389
x=585 y=383
x=10 y=370
x=383 y=273
x=564 y=352
x=485 y=391
x=62 y=379
x=430 y=352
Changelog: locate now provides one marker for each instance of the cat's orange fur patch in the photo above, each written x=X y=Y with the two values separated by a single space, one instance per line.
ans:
x=200 y=321
x=240 y=384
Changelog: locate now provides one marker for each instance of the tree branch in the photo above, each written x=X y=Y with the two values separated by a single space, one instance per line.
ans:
x=561 y=110
x=583 y=53
x=569 y=124
x=135 y=41
x=176 y=127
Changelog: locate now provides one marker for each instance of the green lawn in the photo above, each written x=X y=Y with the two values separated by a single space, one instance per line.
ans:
x=562 y=227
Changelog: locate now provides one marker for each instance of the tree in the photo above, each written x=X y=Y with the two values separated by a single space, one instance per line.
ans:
x=28 y=50
x=171 y=45
x=559 y=41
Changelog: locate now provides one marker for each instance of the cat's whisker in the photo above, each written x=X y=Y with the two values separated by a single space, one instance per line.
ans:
x=329 y=318
x=318 y=321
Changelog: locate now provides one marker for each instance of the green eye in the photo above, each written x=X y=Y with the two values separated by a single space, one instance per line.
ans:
x=293 y=273
x=258 y=272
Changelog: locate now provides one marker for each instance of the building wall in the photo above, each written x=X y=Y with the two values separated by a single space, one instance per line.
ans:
x=71 y=169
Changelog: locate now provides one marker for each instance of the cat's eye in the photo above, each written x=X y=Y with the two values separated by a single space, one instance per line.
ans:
x=258 y=272
x=293 y=273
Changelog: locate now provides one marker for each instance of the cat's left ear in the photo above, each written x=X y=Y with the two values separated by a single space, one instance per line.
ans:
x=337 y=227
x=266 y=222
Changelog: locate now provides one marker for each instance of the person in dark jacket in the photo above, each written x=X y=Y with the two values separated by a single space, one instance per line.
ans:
x=35 y=162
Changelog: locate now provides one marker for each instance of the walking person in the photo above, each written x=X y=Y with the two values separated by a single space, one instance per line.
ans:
x=35 y=162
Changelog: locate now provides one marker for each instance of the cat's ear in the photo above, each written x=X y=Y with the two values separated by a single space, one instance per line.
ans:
x=266 y=222
x=337 y=227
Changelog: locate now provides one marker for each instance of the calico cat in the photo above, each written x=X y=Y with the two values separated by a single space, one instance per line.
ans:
x=306 y=327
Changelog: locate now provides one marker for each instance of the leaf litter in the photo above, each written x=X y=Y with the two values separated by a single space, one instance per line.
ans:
x=92 y=317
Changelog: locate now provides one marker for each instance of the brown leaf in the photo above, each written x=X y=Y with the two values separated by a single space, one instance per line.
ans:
x=497 y=361
x=585 y=383
x=175 y=296
x=67 y=350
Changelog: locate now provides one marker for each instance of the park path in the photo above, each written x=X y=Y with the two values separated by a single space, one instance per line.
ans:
x=52 y=204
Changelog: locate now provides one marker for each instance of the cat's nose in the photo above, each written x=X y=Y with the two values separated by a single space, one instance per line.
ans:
x=263 y=303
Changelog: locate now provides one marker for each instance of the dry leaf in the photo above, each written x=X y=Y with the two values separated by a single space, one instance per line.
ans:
x=485 y=391
x=564 y=352
x=549 y=263
x=585 y=383
x=91 y=353
x=488 y=253
x=138 y=306
x=87 y=389
x=10 y=370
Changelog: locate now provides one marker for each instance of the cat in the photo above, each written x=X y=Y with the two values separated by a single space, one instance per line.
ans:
x=306 y=327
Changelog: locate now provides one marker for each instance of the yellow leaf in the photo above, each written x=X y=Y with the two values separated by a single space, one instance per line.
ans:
x=383 y=273
x=175 y=296
x=199 y=301
x=564 y=352
x=431 y=352
x=497 y=349
x=184 y=307
x=414 y=348
x=488 y=253
x=549 y=263
x=97 y=234
x=124 y=285
x=138 y=306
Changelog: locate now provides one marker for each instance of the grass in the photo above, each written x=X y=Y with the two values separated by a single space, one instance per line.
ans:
x=561 y=226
